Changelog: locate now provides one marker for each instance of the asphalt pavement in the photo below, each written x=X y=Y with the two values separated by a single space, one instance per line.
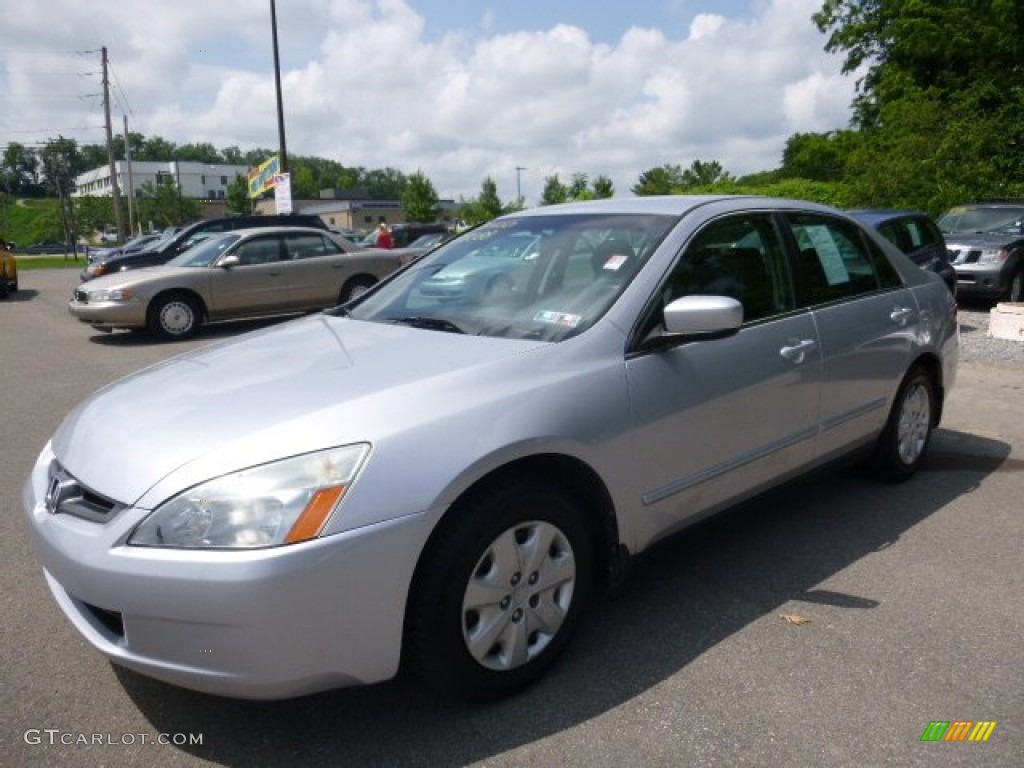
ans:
x=827 y=624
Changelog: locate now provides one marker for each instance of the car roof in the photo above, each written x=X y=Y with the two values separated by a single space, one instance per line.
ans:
x=876 y=216
x=670 y=205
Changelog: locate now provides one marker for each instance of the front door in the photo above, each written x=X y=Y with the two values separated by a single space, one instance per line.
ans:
x=258 y=284
x=717 y=419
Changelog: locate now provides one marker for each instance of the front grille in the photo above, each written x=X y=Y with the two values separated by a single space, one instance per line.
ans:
x=66 y=496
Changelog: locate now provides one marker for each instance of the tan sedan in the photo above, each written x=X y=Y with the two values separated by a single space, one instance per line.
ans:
x=245 y=273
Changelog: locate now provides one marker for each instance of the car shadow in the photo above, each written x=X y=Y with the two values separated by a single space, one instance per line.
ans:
x=20 y=295
x=685 y=595
x=212 y=332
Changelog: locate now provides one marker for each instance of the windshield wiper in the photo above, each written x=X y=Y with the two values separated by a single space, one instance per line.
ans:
x=428 y=323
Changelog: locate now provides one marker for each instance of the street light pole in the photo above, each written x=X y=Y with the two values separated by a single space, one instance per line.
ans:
x=519 y=190
x=277 y=83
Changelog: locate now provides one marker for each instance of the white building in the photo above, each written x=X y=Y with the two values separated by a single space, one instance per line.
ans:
x=201 y=181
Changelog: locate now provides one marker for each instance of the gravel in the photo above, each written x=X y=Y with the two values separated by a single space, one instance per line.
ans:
x=977 y=346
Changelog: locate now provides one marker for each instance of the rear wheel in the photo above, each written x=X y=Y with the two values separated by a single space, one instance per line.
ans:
x=354 y=287
x=174 y=316
x=905 y=438
x=500 y=592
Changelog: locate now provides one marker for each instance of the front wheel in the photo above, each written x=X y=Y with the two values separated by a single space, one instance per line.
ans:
x=500 y=592
x=1015 y=291
x=174 y=316
x=903 y=442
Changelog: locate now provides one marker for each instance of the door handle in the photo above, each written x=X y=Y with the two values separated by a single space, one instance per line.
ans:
x=796 y=349
x=901 y=315
x=273 y=274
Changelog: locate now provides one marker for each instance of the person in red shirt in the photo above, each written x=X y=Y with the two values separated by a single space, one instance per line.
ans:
x=384 y=238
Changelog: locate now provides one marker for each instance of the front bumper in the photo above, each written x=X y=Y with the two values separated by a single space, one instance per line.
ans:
x=110 y=314
x=990 y=280
x=262 y=624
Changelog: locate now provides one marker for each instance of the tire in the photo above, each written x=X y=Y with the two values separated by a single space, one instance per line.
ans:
x=904 y=441
x=174 y=316
x=499 y=592
x=1015 y=291
x=355 y=287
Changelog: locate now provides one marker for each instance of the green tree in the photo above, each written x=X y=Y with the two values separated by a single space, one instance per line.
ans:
x=663 y=180
x=384 y=184
x=701 y=173
x=420 y=199
x=818 y=156
x=941 y=99
x=485 y=207
x=162 y=205
x=554 y=191
x=603 y=188
x=19 y=170
x=61 y=162
x=237 y=195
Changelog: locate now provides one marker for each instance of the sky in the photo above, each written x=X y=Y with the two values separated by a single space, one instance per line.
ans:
x=460 y=90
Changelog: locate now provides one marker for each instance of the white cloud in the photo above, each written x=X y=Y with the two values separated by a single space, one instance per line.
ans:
x=366 y=85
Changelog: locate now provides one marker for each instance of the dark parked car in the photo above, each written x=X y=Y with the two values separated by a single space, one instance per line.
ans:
x=140 y=243
x=986 y=246
x=916 y=235
x=168 y=248
x=48 y=246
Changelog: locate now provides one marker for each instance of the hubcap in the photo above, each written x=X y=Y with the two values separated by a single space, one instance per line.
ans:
x=915 y=418
x=518 y=595
x=176 y=318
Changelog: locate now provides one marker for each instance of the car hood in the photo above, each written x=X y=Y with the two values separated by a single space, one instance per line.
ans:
x=309 y=384
x=142 y=276
x=980 y=239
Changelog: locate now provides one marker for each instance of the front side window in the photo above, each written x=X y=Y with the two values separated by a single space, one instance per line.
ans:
x=259 y=250
x=205 y=252
x=539 y=277
x=740 y=257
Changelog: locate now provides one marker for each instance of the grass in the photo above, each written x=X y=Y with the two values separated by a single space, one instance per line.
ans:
x=26 y=263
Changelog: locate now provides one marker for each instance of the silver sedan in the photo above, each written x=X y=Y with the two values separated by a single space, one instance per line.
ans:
x=244 y=273
x=444 y=483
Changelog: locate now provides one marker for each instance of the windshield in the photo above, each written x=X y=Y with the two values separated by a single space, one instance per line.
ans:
x=1003 y=219
x=204 y=253
x=540 y=277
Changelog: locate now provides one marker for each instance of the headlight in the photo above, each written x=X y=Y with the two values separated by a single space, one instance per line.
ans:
x=992 y=256
x=115 y=294
x=280 y=503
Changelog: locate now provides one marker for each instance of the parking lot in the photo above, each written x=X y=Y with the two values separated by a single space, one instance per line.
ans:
x=912 y=596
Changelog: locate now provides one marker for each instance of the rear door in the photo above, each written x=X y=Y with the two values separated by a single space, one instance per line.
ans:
x=866 y=322
x=719 y=418
x=317 y=269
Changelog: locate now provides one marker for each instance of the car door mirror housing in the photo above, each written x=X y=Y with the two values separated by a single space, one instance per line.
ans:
x=229 y=261
x=695 y=318
x=703 y=315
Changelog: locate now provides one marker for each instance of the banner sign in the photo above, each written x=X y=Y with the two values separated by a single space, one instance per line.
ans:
x=262 y=178
x=283 y=192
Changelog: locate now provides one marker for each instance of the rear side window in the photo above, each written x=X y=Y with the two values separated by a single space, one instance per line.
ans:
x=836 y=261
x=307 y=246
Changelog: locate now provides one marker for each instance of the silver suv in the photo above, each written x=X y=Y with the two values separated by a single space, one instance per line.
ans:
x=986 y=248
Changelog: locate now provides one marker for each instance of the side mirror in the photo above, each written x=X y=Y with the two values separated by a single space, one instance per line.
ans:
x=696 y=318
x=703 y=315
x=229 y=261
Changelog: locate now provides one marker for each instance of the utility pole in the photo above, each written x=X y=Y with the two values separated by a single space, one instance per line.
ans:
x=114 y=191
x=519 y=189
x=277 y=83
x=131 y=181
